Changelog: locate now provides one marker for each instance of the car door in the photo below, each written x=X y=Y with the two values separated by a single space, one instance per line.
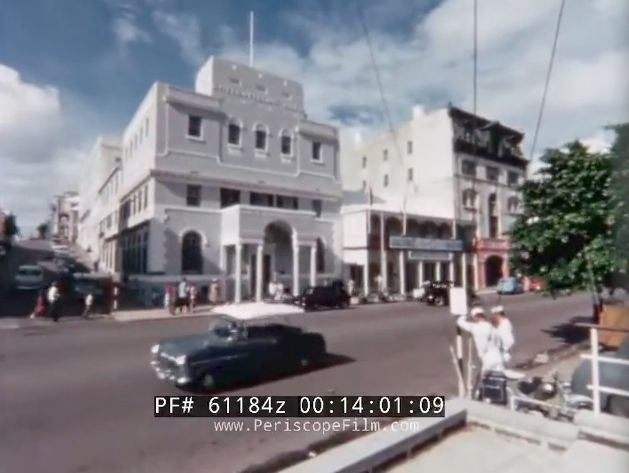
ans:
x=264 y=353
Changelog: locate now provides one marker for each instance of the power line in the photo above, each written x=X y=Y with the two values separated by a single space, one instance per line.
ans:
x=385 y=104
x=548 y=75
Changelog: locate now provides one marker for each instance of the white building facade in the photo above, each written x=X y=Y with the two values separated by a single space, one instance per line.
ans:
x=410 y=183
x=231 y=181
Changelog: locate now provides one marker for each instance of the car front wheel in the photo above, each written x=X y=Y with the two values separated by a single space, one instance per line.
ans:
x=207 y=381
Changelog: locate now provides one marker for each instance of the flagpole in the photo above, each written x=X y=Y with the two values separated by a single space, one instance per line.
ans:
x=251 y=39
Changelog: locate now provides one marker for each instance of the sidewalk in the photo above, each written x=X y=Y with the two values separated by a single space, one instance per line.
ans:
x=157 y=313
x=13 y=323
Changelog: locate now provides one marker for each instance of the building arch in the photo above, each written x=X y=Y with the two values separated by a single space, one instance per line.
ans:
x=234 y=131
x=493 y=270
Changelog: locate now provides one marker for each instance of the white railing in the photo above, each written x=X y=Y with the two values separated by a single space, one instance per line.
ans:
x=594 y=358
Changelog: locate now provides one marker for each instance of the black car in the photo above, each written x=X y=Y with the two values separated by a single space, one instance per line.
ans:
x=438 y=293
x=332 y=295
x=232 y=351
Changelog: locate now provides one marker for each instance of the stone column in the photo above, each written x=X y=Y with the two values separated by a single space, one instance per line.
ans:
x=464 y=282
x=383 y=254
x=295 y=267
x=223 y=268
x=438 y=270
x=259 y=258
x=366 y=277
x=238 y=275
x=402 y=263
x=420 y=273
x=313 y=264
x=475 y=264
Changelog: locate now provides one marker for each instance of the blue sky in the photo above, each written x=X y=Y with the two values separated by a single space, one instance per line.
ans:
x=73 y=69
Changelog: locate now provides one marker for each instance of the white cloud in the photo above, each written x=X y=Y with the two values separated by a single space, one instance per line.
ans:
x=434 y=65
x=127 y=31
x=185 y=31
x=37 y=158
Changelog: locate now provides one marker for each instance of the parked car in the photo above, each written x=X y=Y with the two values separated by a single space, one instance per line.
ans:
x=331 y=295
x=438 y=293
x=232 y=351
x=536 y=285
x=611 y=375
x=510 y=285
x=29 y=277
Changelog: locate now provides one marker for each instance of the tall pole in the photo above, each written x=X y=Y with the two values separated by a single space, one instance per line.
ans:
x=251 y=39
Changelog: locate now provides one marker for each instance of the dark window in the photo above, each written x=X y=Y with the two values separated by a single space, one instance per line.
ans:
x=286 y=202
x=193 y=196
x=260 y=199
x=409 y=175
x=229 y=197
x=261 y=136
x=233 y=134
x=493 y=216
x=409 y=147
x=316 y=207
x=316 y=151
x=194 y=126
x=514 y=179
x=513 y=204
x=469 y=198
x=286 y=143
x=492 y=173
x=385 y=182
x=320 y=256
x=191 y=256
x=468 y=168
x=261 y=88
x=364 y=185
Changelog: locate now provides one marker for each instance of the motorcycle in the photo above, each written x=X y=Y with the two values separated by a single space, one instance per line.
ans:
x=550 y=397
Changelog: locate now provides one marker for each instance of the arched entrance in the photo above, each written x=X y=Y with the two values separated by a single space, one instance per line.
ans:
x=277 y=255
x=493 y=270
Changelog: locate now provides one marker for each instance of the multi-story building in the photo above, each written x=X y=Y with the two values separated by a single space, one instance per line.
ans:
x=64 y=218
x=229 y=181
x=417 y=182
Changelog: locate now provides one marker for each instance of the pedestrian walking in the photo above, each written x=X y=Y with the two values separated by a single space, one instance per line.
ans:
x=505 y=331
x=167 y=297
x=214 y=289
x=41 y=305
x=53 y=297
x=182 y=296
x=350 y=287
x=192 y=297
x=88 y=302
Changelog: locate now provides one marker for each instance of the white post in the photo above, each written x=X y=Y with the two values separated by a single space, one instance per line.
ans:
x=251 y=39
x=402 y=264
x=223 y=267
x=470 y=367
x=295 y=267
x=366 y=277
x=313 y=265
x=475 y=269
x=596 y=407
x=383 y=256
x=238 y=275
x=259 y=256
x=464 y=270
x=438 y=270
x=420 y=272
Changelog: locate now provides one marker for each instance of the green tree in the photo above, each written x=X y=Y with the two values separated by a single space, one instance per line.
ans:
x=42 y=231
x=567 y=231
x=620 y=186
x=10 y=226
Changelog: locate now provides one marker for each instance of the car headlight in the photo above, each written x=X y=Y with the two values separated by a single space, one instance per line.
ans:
x=155 y=349
x=180 y=360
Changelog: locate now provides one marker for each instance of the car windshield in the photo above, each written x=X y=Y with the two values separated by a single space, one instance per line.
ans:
x=30 y=272
x=308 y=291
x=224 y=327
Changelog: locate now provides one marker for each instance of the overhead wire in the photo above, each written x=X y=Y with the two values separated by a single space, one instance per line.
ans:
x=547 y=81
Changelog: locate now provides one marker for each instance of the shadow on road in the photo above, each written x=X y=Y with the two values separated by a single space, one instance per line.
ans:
x=331 y=360
x=568 y=333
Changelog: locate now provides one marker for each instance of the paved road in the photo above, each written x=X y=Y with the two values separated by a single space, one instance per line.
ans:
x=77 y=397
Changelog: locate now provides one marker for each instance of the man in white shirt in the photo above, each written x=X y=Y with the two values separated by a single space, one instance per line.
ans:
x=505 y=331
x=486 y=339
x=53 y=301
x=182 y=295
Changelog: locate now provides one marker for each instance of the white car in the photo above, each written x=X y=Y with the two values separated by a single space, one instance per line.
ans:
x=29 y=277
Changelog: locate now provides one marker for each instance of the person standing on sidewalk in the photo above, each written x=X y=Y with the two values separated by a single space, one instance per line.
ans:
x=53 y=302
x=182 y=295
x=41 y=305
x=89 y=301
x=505 y=331
x=192 y=297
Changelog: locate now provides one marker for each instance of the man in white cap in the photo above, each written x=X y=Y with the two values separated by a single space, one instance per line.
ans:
x=505 y=331
x=486 y=339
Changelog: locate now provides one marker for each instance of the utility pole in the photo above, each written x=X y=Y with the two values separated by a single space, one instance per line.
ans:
x=251 y=39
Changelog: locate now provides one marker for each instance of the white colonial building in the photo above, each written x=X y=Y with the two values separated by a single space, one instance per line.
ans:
x=417 y=182
x=229 y=181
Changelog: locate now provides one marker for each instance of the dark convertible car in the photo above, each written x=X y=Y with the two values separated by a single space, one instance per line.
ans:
x=233 y=351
